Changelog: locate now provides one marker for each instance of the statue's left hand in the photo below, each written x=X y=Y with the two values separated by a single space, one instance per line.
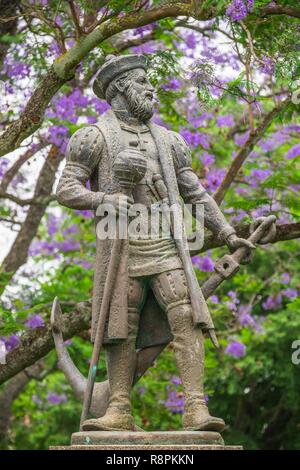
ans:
x=234 y=242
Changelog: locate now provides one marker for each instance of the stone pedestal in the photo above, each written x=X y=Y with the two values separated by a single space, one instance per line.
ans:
x=161 y=440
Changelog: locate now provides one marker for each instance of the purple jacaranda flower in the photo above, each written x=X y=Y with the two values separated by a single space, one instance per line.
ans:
x=87 y=214
x=173 y=84
x=3 y=166
x=35 y=321
x=214 y=299
x=72 y=229
x=55 y=398
x=201 y=121
x=258 y=176
x=57 y=135
x=91 y=119
x=43 y=247
x=232 y=303
x=11 y=342
x=191 y=40
x=272 y=302
x=141 y=390
x=52 y=224
x=268 y=65
x=238 y=9
x=285 y=278
x=175 y=402
x=213 y=178
x=17 y=69
x=147 y=48
x=100 y=106
x=195 y=139
x=67 y=245
x=141 y=30
x=176 y=380
x=68 y=342
x=245 y=318
x=293 y=151
x=225 y=121
x=241 y=139
x=54 y=49
x=204 y=263
x=207 y=159
x=82 y=262
x=290 y=293
x=236 y=349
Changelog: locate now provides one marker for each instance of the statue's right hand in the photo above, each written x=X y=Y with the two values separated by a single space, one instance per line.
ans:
x=119 y=201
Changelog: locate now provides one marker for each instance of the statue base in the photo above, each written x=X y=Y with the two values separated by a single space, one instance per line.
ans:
x=153 y=440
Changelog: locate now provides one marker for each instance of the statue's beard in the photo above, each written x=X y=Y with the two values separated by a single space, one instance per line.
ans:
x=139 y=105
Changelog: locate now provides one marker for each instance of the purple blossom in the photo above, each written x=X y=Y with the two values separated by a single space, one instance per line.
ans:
x=17 y=69
x=35 y=321
x=290 y=293
x=201 y=121
x=285 y=278
x=241 y=139
x=258 y=176
x=191 y=40
x=85 y=213
x=204 y=263
x=175 y=402
x=215 y=299
x=55 y=398
x=225 y=121
x=3 y=166
x=268 y=66
x=236 y=10
x=173 y=84
x=236 y=349
x=52 y=224
x=57 y=136
x=232 y=303
x=293 y=151
x=141 y=30
x=176 y=380
x=214 y=178
x=195 y=139
x=11 y=342
x=207 y=159
x=272 y=302
x=245 y=318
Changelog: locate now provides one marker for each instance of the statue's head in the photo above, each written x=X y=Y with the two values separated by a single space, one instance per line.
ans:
x=126 y=77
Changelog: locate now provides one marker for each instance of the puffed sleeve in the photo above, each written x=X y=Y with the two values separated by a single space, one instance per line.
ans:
x=83 y=155
x=192 y=191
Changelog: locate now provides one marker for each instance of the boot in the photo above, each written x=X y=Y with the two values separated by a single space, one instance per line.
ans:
x=121 y=363
x=189 y=355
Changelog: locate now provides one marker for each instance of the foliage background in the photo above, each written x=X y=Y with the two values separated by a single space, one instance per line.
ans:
x=226 y=78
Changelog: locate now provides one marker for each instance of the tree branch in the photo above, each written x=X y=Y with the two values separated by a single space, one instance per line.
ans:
x=18 y=253
x=280 y=10
x=13 y=170
x=36 y=343
x=63 y=68
x=245 y=150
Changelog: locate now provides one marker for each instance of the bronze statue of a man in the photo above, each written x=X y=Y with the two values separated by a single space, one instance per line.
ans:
x=154 y=267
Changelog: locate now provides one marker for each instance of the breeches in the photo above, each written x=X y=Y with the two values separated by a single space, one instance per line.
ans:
x=171 y=292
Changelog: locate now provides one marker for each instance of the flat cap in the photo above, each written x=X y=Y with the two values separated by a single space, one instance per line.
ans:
x=114 y=66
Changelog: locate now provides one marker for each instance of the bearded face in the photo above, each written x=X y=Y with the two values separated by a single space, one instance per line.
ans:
x=139 y=94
